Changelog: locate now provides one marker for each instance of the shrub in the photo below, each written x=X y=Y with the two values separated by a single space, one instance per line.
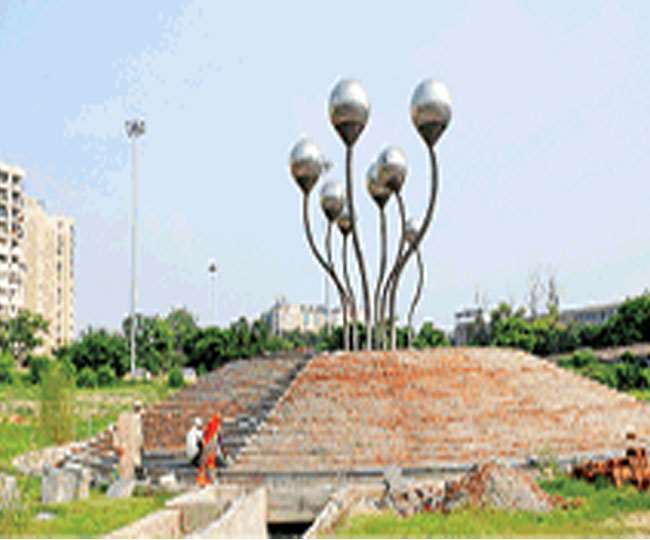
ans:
x=38 y=365
x=56 y=405
x=175 y=378
x=7 y=374
x=69 y=368
x=105 y=376
x=87 y=378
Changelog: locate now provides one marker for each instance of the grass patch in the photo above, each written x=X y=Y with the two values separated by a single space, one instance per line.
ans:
x=642 y=395
x=94 y=410
x=601 y=515
x=95 y=516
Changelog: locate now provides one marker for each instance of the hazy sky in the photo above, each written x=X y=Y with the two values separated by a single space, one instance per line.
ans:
x=545 y=163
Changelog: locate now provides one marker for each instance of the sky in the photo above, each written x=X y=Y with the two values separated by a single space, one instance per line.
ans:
x=544 y=168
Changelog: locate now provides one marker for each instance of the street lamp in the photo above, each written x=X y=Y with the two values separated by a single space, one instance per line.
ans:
x=212 y=271
x=349 y=109
x=134 y=129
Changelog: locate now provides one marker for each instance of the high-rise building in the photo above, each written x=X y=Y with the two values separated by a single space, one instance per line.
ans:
x=12 y=234
x=49 y=284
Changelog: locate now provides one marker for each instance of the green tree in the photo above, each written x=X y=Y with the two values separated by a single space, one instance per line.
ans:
x=96 y=348
x=429 y=336
x=21 y=334
x=210 y=349
x=513 y=331
x=184 y=328
x=154 y=342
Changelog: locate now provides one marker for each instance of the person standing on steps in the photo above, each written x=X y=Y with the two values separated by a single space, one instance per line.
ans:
x=194 y=443
x=210 y=453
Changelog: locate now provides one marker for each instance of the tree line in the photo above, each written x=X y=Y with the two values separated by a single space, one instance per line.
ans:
x=547 y=334
x=164 y=344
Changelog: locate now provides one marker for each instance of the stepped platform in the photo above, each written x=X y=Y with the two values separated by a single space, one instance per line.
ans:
x=242 y=392
x=346 y=418
x=442 y=408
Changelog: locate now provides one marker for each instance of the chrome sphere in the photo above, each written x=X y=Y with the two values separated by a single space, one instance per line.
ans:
x=412 y=229
x=431 y=110
x=349 y=108
x=392 y=168
x=344 y=221
x=379 y=191
x=332 y=199
x=306 y=164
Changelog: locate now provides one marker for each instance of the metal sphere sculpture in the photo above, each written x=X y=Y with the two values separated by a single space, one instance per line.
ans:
x=349 y=111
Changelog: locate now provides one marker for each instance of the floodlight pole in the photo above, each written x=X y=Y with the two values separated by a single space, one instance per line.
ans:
x=134 y=129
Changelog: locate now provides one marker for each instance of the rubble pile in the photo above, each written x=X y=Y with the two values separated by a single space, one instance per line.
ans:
x=497 y=486
x=633 y=468
x=489 y=485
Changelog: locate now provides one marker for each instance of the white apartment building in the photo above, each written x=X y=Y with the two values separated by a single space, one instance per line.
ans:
x=36 y=259
x=12 y=235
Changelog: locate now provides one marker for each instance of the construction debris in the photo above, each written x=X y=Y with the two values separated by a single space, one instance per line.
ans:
x=489 y=485
x=633 y=469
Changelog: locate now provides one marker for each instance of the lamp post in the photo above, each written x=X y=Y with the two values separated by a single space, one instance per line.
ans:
x=349 y=109
x=212 y=271
x=134 y=129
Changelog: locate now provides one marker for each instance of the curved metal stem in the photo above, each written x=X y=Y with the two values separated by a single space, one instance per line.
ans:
x=416 y=296
x=344 y=312
x=400 y=250
x=357 y=247
x=415 y=245
x=382 y=273
x=351 y=301
x=329 y=268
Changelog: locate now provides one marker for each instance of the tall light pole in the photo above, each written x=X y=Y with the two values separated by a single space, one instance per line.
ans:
x=134 y=129
x=212 y=270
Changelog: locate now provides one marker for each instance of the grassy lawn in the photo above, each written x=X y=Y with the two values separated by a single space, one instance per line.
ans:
x=96 y=516
x=94 y=410
x=602 y=514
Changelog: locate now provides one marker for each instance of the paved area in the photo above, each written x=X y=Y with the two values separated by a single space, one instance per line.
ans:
x=360 y=411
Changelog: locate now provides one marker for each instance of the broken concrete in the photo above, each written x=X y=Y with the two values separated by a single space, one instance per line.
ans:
x=9 y=492
x=121 y=489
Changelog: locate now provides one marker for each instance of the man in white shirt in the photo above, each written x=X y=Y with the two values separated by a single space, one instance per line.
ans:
x=194 y=442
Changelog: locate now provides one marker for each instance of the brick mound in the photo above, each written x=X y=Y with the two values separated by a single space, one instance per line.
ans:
x=242 y=392
x=435 y=409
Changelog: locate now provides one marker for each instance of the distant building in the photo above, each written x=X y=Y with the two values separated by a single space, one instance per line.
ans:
x=284 y=317
x=464 y=323
x=49 y=284
x=12 y=237
x=597 y=314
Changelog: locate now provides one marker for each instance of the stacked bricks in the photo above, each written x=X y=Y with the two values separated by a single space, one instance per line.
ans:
x=437 y=408
x=633 y=468
x=242 y=393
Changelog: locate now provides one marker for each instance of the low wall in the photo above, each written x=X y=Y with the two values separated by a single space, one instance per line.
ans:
x=245 y=518
x=184 y=514
x=200 y=507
